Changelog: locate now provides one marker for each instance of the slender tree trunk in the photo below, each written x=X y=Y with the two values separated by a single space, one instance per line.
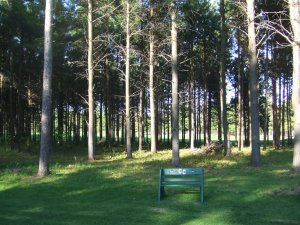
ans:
x=175 y=103
x=109 y=107
x=192 y=107
x=219 y=119
x=46 y=120
x=183 y=121
x=199 y=116
x=294 y=6
x=255 y=151
x=266 y=97
x=223 y=80
x=100 y=120
x=133 y=127
x=158 y=119
x=12 y=113
x=60 y=115
x=151 y=87
x=91 y=123
x=2 y=114
x=235 y=116
x=279 y=108
x=123 y=129
x=275 y=113
x=141 y=118
x=127 y=91
x=118 y=128
x=209 y=114
x=168 y=119
x=283 y=112
x=288 y=113
x=205 y=116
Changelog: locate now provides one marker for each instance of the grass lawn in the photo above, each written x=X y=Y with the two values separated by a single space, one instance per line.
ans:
x=120 y=191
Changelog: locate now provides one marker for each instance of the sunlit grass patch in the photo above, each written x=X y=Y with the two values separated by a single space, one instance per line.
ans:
x=116 y=190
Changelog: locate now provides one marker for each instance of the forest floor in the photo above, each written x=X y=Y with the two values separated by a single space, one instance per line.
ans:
x=120 y=191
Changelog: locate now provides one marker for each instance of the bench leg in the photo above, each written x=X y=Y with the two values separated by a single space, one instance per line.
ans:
x=202 y=194
x=161 y=193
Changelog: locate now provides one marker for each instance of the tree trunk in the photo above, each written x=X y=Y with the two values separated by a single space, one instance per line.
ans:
x=133 y=127
x=275 y=114
x=266 y=96
x=168 y=119
x=219 y=119
x=91 y=134
x=151 y=87
x=192 y=106
x=255 y=151
x=283 y=112
x=205 y=116
x=209 y=115
x=199 y=117
x=141 y=118
x=288 y=113
x=100 y=120
x=108 y=107
x=12 y=111
x=279 y=107
x=183 y=121
x=223 y=81
x=175 y=103
x=46 y=119
x=127 y=92
x=294 y=6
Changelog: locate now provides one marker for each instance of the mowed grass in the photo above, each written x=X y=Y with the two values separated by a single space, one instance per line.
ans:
x=121 y=191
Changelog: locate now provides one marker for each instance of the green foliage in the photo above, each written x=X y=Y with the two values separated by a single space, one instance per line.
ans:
x=120 y=191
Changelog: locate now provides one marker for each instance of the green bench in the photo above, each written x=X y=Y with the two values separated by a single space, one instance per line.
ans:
x=181 y=177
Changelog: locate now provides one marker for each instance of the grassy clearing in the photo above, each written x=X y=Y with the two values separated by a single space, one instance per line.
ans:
x=120 y=191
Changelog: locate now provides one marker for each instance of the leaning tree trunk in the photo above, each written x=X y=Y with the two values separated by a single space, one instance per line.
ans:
x=91 y=134
x=175 y=108
x=127 y=93
x=294 y=6
x=255 y=151
x=46 y=121
x=223 y=81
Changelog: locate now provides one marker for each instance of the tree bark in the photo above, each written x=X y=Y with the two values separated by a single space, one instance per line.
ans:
x=91 y=122
x=255 y=151
x=283 y=112
x=109 y=107
x=223 y=80
x=151 y=86
x=294 y=6
x=141 y=119
x=275 y=113
x=46 y=119
x=192 y=106
x=175 y=103
x=266 y=96
x=127 y=91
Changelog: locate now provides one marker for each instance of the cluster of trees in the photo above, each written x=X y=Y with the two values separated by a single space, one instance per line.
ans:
x=149 y=71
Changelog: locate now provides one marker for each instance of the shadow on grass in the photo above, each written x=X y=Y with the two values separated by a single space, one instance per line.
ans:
x=125 y=192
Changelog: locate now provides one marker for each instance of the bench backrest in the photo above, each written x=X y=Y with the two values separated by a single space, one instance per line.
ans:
x=181 y=171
